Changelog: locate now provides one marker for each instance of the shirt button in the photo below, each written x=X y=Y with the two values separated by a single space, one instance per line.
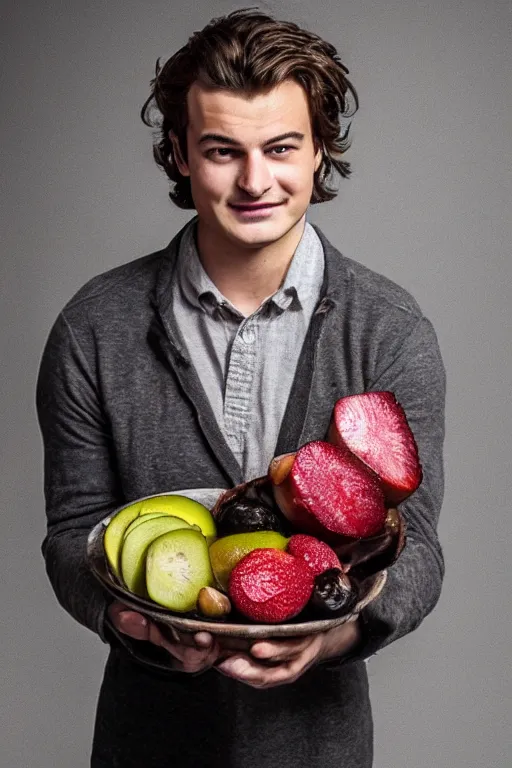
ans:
x=248 y=336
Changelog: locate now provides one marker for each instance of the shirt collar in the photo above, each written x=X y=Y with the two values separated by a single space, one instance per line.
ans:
x=303 y=277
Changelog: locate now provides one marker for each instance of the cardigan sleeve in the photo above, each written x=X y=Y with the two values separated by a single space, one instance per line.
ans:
x=416 y=375
x=81 y=486
x=80 y=479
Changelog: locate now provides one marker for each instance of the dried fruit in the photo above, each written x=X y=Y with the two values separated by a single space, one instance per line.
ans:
x=374 y=427
x=271 y=586
x=245 y=516
x=329 y=492
x=333 y=593
x=316 y=554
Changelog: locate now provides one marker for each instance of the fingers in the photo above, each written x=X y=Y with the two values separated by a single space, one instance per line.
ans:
x=192 y=658
x=203 y=639
x=247 y=669
x=129 y=622
x=196 y=660
x=280 y=650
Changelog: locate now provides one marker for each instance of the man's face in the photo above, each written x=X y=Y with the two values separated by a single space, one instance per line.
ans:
x=251 y=162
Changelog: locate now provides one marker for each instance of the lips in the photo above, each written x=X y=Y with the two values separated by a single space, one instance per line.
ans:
x=254 y=206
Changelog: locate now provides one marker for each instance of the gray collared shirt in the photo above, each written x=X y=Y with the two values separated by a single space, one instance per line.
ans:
x=246 y=365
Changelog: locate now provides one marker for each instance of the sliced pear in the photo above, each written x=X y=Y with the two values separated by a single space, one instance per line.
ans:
x=181 y=506
x=135 y=546
x=177 y=568
x=142 y=519
x=114 y=533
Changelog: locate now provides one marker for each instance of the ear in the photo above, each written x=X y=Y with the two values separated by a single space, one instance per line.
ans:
x=318 y=157
x=178 y=157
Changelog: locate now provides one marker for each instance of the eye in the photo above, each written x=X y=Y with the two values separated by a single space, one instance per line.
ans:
x=217 y=153
x=281 y=149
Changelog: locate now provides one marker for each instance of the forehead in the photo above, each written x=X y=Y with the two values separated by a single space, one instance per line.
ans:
x=248 y=117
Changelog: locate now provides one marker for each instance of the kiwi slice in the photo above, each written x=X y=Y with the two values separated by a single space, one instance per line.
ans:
x=177 y=568
x=135 y=545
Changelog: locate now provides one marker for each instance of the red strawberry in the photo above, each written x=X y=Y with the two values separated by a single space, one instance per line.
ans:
x=324 y=491
x=270 y=586
x=374 y=427
x=316 y=554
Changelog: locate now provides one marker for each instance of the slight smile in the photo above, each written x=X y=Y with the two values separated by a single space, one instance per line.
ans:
x=253 y=206
x=254 y=211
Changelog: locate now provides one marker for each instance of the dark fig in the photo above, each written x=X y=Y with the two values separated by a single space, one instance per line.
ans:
x=246 y=516
x=333 y=593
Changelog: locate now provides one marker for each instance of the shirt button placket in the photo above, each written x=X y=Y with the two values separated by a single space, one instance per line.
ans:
x=238 y=388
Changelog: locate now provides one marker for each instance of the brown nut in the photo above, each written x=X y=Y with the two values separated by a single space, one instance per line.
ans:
x=212 y=603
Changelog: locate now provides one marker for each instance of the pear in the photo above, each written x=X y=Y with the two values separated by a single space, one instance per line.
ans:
x=142 y=519
x=177 y=568
x=114 y=533
x=135 y=546
x=180 y=506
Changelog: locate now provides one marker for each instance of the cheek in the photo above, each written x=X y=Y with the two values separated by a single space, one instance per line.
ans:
x=296 y=179
x=210 y=181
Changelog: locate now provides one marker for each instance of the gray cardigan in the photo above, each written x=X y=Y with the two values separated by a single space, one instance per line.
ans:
x=123 y=415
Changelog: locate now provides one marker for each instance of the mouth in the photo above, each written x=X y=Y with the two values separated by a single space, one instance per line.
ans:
x=254 y=211
x=254 y=206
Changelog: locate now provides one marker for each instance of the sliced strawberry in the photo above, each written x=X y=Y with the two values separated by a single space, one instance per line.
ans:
x=328 y=491
x=270 y=586
x=316 y=554
x=374 y=427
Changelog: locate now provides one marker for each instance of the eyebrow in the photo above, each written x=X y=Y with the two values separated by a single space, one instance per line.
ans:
x=217 y=137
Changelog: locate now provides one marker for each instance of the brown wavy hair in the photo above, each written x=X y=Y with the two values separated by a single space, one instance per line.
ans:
x=250 y=52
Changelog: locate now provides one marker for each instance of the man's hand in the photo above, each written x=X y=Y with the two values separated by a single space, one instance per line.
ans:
x=189 y=658
x=289 y=658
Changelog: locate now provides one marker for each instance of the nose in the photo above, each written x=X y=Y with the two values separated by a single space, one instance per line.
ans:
x=255 y=177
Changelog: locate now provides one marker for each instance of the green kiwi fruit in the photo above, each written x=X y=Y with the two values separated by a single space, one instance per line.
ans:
x=177 y=568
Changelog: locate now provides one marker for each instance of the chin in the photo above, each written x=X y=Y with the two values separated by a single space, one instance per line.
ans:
x=260 y=234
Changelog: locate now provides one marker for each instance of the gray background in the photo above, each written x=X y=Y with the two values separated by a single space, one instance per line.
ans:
x=428 y=205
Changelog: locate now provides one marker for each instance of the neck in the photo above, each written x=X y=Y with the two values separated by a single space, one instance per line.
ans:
x=247 y=276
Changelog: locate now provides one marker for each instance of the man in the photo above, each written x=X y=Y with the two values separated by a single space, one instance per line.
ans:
x=194 y=366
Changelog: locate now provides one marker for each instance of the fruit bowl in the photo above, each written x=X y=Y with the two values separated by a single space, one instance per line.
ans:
x=234 y=634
